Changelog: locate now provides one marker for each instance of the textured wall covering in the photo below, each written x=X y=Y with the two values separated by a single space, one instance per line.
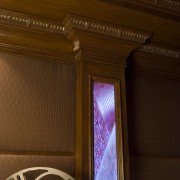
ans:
x=37 y=113
x=154 y=128
x=37 y=105
x=10 y=164
x=154 y=169
x=153 y=116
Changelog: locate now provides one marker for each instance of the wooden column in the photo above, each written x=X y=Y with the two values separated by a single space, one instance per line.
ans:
x=87 y=67
x=100 y=50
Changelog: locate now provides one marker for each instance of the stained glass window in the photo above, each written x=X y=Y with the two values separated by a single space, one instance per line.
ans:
x=105 y=160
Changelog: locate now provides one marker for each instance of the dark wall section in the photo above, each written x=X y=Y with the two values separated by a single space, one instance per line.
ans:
x=37 y=113
x=154 y=127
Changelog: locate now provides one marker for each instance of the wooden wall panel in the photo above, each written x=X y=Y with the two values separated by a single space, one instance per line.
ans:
x=153 y=124
x=153 y=116
x=10 y=164
x=37 y=107
x=37 y=114
x=154 y=169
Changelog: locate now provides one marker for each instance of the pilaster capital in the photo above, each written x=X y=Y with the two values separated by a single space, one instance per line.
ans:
x=111 y=44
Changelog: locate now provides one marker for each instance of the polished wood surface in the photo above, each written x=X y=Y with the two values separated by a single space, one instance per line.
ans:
x=165 y=31
x=100 y=39
x=107 y=59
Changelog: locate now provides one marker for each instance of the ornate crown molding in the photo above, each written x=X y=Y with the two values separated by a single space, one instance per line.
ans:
x=71 y=21
x=168 y=6
x=102 y=28
x=29 y=23
x=155 y=61
x=160 y=50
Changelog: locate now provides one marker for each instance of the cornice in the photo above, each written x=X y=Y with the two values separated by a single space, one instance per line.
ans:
x=172 y=5
x=99 y=56
x=160 y=50
x=28 y=22
x=94 y=26
x=167 y=6
x=63 y=57
x=155 y=61
x=76 y=22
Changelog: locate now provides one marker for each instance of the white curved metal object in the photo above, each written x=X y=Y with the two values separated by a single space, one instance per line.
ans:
x=49 y=171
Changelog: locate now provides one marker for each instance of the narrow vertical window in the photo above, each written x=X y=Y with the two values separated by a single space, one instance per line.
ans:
x=104 y=122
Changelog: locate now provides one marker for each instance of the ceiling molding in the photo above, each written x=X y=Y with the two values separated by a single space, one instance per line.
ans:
x=71 y=21
x=160 y=50
x=171 y=7
x=155 y=61
x=27 y=22
x=63 y=57
x=106 y=29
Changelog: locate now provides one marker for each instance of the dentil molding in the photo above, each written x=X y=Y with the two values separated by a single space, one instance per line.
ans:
x=160 y=50
x=169 y=6
x=71 y=22
x=29 y=23
x=95 y=26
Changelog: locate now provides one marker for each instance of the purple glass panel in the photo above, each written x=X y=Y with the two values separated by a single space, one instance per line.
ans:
x=105 y=161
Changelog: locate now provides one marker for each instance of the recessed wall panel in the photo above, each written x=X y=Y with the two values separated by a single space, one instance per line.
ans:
x=37 y=105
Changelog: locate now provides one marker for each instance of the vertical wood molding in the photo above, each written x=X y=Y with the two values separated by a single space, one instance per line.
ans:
x=85 y=70
x=101 y=50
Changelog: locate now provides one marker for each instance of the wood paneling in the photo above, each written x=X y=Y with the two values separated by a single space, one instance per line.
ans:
x=148 y=168
x=153 y=125
x=10 y=164
x=165 y=31
x=153 y=116
x=39 y=96
x=37 y=114
x=36 y=97
x=87 y=67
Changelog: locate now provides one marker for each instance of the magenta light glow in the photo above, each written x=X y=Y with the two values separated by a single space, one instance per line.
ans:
x=105 y=161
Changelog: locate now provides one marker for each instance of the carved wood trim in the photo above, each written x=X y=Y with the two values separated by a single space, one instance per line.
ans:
x=171 y=7
x=102 y=28
x=160 y=50
x=31 y=23
x=28 y=22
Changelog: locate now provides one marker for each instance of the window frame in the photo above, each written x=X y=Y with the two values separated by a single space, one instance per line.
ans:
x=118 y=121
